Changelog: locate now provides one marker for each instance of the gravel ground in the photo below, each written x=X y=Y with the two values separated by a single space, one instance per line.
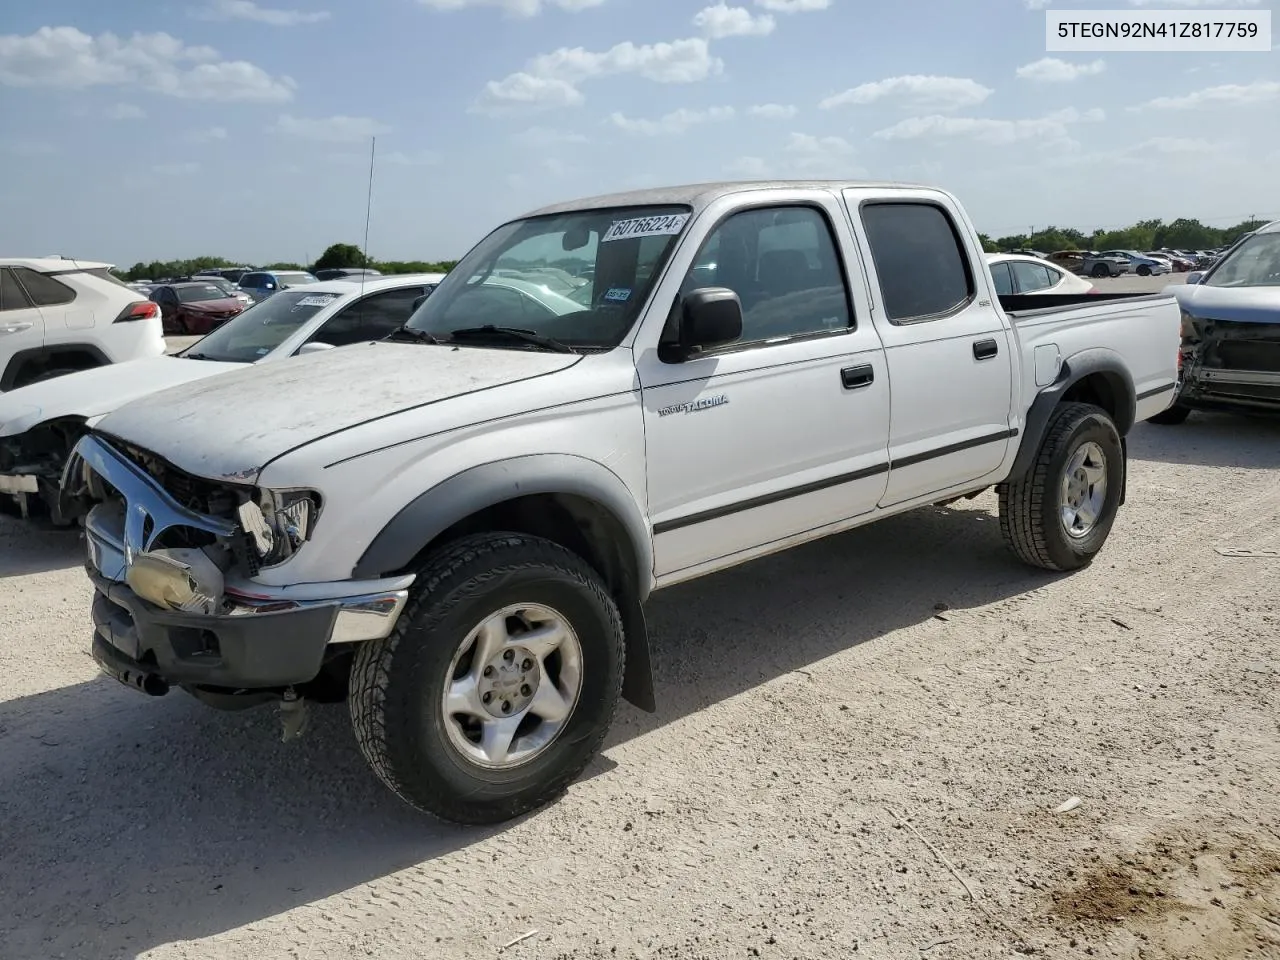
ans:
x=860 y=747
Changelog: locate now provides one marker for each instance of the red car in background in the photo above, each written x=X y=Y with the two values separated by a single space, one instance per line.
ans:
x=195 y=307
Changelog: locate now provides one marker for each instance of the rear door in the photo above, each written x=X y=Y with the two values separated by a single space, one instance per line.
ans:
x=947 y=345
x=67 y=313
x=21 y=327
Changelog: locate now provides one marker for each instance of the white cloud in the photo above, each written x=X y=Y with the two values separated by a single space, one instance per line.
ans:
x=1037 y=4
x=65 y=58
x=1053 y=70
x=335 y=129
x=914 y=90
x=824 y=157
x=518 y=8
x=1051 y=128
x=28 y=148
x=793 y=6
x=1193 y=3
x=725 y=21
x=548 y=137
x=415 y=158
x=677 y=121
x=207 y=135
x=126 y=111
x=1260 y=91
x=773 y=111
x=248 y=10
x=551 y=79
x=186 y=169
x=1177 y=145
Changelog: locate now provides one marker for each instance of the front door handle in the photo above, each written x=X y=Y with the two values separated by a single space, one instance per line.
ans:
x=15 y=327
x=985 y=349
x=851 y=378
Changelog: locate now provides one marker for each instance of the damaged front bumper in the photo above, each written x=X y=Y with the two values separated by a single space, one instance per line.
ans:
x=1230 y=365
x=167 y=616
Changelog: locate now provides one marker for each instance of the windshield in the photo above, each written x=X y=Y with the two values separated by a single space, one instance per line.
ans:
x=261 y=328
x=1255 y=263
x=579 y=278
x=205 y=291
x=295 y=279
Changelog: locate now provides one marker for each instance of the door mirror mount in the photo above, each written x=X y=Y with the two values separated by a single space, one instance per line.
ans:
x=1195 y=276
x=315 y=346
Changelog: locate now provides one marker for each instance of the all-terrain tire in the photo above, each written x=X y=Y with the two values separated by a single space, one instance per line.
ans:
x=397 y=684
x=1030 y=508
x=1172 y=416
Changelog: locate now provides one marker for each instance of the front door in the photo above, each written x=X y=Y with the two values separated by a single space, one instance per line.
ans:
x=21 y=328
x=784 y=431
x=947 y=345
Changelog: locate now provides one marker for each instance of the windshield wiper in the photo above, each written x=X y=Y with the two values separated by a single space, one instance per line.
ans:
x=197 y=356
x=489 y=331
x=407 y=332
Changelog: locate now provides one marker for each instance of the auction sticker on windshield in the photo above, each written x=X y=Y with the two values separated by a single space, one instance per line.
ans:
x=667 y=225
x=317 y=300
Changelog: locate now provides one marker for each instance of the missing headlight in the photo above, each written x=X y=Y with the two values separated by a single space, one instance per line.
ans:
x=279 y=523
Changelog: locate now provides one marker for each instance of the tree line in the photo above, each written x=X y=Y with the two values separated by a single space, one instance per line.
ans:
x=1180 y=234
x=337 y=255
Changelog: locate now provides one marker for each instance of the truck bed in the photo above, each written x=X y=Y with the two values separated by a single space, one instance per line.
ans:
x=1040 y=304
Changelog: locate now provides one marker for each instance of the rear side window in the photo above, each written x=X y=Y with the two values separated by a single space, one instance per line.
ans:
x=44 y=291
x=12 y=296
x=1031 y=276
x=920 y=263
x=102 y=273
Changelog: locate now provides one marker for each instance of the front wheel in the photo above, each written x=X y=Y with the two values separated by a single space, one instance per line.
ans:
x=1060 y=513
x=498 y=683
x=1144 y=271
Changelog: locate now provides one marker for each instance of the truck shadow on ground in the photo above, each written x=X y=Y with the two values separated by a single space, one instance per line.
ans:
x=1211 y=440
x=127 y=823
x=29 y=546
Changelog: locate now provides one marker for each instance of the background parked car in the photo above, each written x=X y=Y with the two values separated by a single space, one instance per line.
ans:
x=40 y=424
x=1140 y=264
x=263 y=283
x=1015 y=273
x=195 y=307
x=58 y=316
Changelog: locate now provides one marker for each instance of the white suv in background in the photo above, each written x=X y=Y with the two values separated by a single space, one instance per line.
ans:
x=59 y=315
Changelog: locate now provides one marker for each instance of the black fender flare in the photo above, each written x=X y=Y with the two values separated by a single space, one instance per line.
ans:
x=472 y=490
x=20 y=359
x=1072 y=370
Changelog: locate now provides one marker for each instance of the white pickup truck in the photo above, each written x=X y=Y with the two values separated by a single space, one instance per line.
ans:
x=456 y=528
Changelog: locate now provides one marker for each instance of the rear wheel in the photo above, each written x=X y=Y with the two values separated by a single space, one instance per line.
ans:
x=1101 y=270
x=498 y=683
x=1060 y=513
x=1144 y=271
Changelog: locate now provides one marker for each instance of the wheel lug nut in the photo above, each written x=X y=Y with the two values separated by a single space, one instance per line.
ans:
x=486 y=697
x=506 y=706
x=488 y=671
x=524 y=690
x=508 y=655
x=527 y=665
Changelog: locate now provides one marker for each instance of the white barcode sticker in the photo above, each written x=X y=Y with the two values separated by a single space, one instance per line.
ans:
x=667 y=225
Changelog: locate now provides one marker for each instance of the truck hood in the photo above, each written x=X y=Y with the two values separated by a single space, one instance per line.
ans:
x=230 y=427
x=1239 y=304
x=92 y=393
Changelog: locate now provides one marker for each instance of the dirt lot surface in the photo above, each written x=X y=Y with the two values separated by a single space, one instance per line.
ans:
x=859 y=752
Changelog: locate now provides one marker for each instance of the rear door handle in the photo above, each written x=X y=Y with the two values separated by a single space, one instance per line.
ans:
x=985 y=349
x=851 y=378
x=15 y=327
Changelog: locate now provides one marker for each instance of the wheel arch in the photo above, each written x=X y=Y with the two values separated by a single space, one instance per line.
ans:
x=1098 y=376
x=83 y=356
x=570 y=500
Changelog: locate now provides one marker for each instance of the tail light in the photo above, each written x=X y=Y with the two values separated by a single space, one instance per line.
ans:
x=139 y=310
x=1093 y=289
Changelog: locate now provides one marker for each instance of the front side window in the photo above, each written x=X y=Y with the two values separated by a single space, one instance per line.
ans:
x=44 y=291
x=920 y=263
x=783 y=265
x=1255 y=263
x=372 y=318
x=261 y=328
x=579 y=278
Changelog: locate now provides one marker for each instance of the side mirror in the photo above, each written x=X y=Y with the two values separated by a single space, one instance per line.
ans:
x=709 y=317
x=315 y=346
x=419 y=302
x=1195 y=276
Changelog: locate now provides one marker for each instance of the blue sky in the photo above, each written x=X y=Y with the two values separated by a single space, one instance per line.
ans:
x=140 y=129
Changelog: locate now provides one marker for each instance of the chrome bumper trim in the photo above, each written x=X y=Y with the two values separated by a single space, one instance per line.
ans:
x=370 y=616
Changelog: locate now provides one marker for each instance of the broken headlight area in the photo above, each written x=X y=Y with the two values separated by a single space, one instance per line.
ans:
x=276 y=524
